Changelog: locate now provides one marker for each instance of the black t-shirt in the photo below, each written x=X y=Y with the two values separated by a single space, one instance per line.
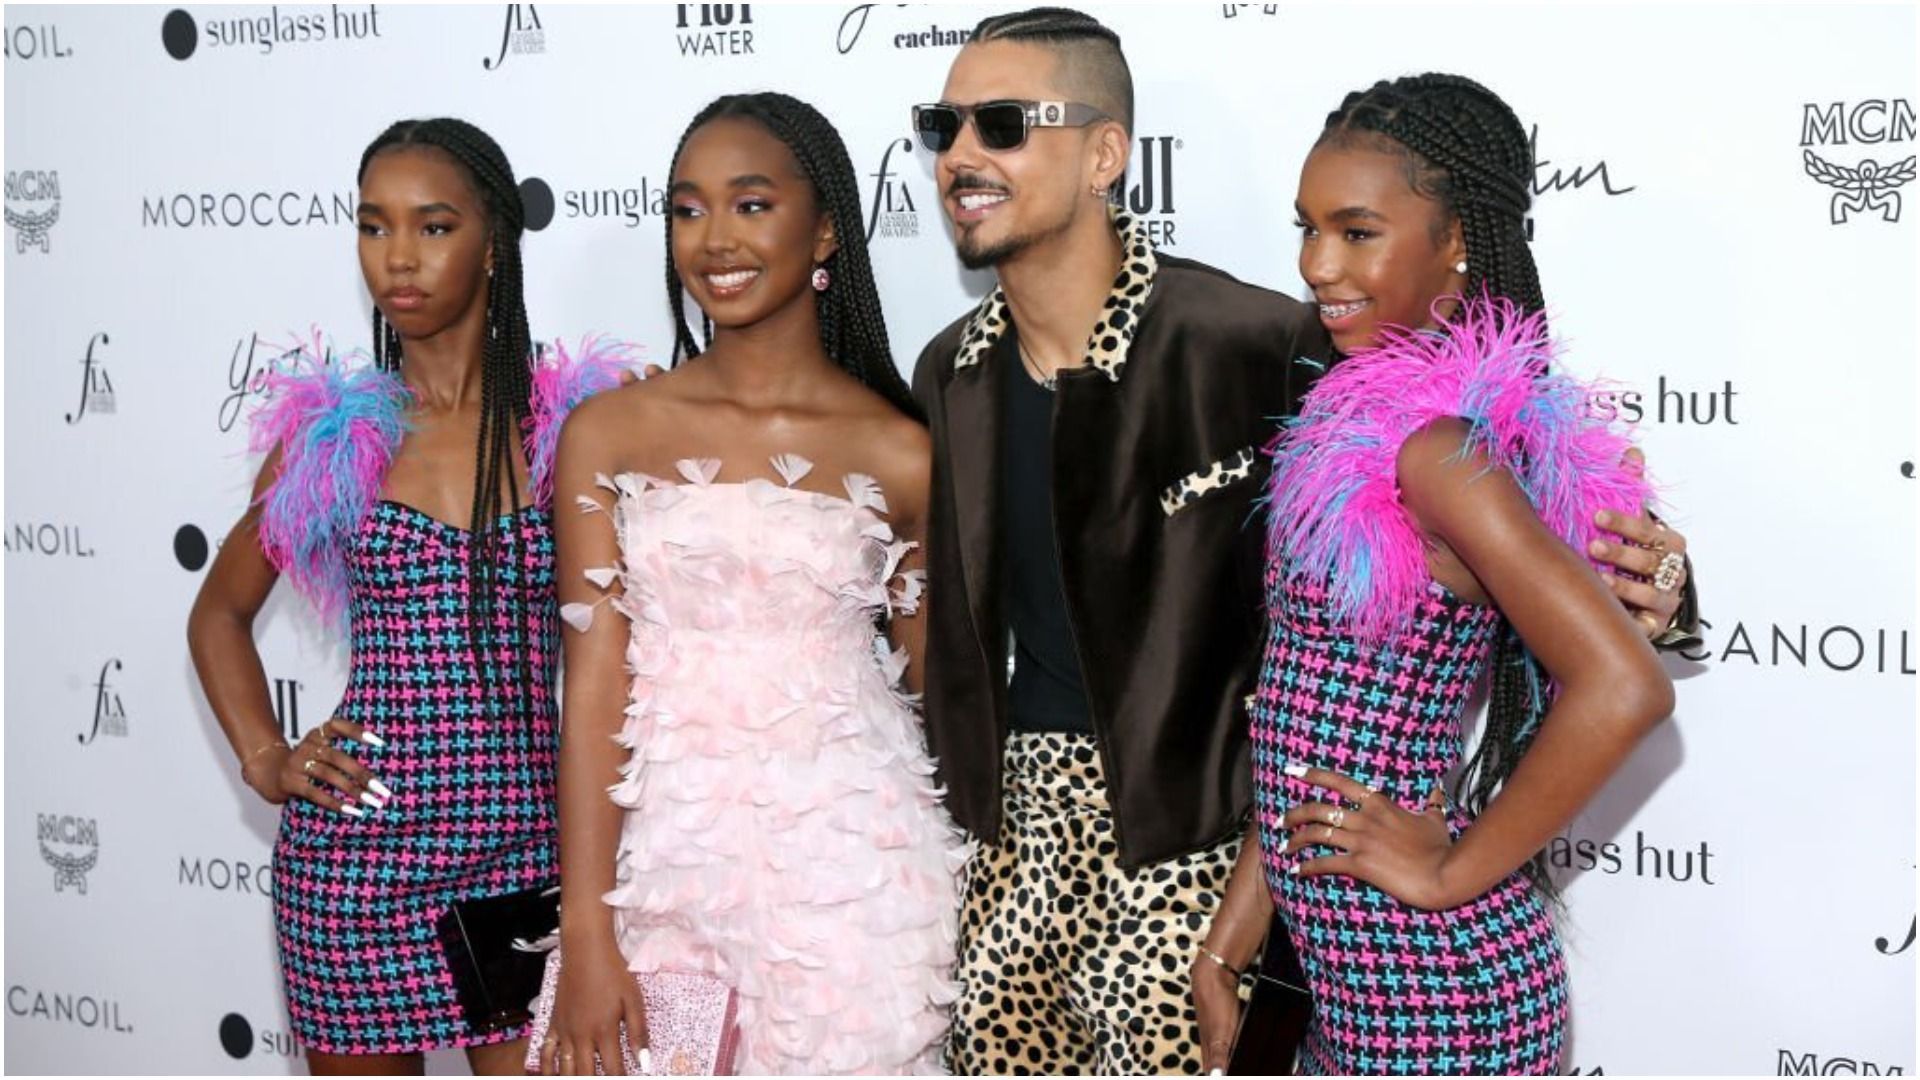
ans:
x=1046 y=693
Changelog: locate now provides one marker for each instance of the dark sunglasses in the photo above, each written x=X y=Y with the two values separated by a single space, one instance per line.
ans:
x=1001 y=125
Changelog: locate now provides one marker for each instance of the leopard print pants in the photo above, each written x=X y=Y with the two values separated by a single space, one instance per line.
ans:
x=1068 y=962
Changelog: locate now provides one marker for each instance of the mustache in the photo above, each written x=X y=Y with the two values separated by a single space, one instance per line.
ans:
x=975 y=182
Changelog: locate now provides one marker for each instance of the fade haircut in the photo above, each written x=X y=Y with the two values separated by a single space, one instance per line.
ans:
x=1091 y=69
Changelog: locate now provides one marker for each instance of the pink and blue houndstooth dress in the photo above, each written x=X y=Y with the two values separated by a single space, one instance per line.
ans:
x=1369 y=669
x=470 y=755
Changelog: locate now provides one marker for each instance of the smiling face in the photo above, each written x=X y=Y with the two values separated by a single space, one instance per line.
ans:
x=747 y=226
x=424 y=241
x=1003 y=202
x=1374 y=250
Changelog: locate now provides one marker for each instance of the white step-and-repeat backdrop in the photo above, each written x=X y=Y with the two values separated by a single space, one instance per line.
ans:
x=179 y=193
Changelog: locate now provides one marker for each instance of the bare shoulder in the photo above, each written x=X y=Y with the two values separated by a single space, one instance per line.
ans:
x=1450 y=484
x=620 y=417
x=894 y=448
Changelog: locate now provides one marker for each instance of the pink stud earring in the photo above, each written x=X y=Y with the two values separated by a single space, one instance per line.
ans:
x=821 y=279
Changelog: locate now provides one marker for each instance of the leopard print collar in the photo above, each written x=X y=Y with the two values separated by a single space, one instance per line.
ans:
x=1119 y=318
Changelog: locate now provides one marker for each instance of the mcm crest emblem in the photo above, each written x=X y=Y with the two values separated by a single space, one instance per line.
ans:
x=30 y=227
x=70 y=869
x=1863 y=188
x=71 y=846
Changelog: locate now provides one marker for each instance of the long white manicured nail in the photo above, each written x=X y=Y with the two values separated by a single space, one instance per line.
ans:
x=379 y=788
x=351 y=810
x=372 y=800
x=646 y=1060
x=371 y=738
x=1216 y=1071
x=1294 y=769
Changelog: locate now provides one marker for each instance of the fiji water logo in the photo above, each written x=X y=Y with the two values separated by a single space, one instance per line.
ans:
x=710 y=30
x=33 y=207
x=1866 y=187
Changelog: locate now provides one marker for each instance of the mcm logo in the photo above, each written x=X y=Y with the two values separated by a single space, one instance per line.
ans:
x=1868 y=187
x=33 y=207
x=71 y=846
x=1863 y=188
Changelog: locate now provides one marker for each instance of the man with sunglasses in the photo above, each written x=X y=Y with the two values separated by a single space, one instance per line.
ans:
x=1097 y=422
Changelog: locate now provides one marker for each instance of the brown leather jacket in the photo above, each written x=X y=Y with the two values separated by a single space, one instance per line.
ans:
x=1157 y=466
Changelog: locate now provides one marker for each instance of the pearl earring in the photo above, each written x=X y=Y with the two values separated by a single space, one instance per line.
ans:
x=1460 y=267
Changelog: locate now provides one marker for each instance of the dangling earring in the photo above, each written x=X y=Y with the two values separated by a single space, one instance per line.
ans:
x=821 y=279
x=1460 y=267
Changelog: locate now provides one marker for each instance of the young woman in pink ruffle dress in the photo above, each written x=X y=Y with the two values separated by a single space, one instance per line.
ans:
x=745 y=790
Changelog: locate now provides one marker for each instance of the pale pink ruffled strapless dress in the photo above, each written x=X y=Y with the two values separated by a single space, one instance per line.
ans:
x=783 y=830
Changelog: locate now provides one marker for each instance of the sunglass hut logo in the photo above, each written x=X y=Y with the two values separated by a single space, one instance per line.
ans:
x=181 y=33
x=1149 y=196
x=1865 y=188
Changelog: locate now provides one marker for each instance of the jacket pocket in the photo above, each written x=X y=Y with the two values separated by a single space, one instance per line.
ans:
x=1194 y=486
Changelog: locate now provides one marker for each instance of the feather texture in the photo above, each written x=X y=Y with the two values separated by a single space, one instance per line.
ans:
x=560 y=384
x=1335 y=515
x=337 y=422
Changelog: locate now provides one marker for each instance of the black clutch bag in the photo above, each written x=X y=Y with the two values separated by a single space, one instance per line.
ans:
x=491 y=953
x=1274 y=1023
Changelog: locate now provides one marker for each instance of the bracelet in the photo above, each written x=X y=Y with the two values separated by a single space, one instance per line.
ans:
x=1218 y=959
x=248 y=760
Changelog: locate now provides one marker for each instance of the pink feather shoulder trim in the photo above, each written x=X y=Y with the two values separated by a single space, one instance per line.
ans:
x=1335 y=516
x=561 y=381
x=337 y=422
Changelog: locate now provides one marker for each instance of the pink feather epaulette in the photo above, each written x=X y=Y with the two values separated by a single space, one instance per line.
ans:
x=337 y=422
x=561 y=381
x=1336 y=518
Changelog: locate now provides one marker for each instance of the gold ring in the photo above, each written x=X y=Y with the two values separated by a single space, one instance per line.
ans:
x=308 y=767
x=1334 y=819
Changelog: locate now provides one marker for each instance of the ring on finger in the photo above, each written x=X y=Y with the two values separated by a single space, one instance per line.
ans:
x=308 y=767
x=1666 y=576
x=1334 y=819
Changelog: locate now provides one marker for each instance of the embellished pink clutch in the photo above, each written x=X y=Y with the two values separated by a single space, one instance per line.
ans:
x=692 y=1027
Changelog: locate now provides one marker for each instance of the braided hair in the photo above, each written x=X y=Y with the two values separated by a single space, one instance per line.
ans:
x=506 y=374
x=1464 y=148
x=852 y=330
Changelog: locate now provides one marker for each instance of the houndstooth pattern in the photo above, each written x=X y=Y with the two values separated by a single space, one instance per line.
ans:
x=1480 y=988
x=472 y=775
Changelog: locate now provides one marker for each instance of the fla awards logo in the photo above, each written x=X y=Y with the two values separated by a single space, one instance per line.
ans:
x=1866 y=188
x=524 y=35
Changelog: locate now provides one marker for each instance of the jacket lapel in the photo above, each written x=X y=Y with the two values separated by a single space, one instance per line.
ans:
x=973 y=418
